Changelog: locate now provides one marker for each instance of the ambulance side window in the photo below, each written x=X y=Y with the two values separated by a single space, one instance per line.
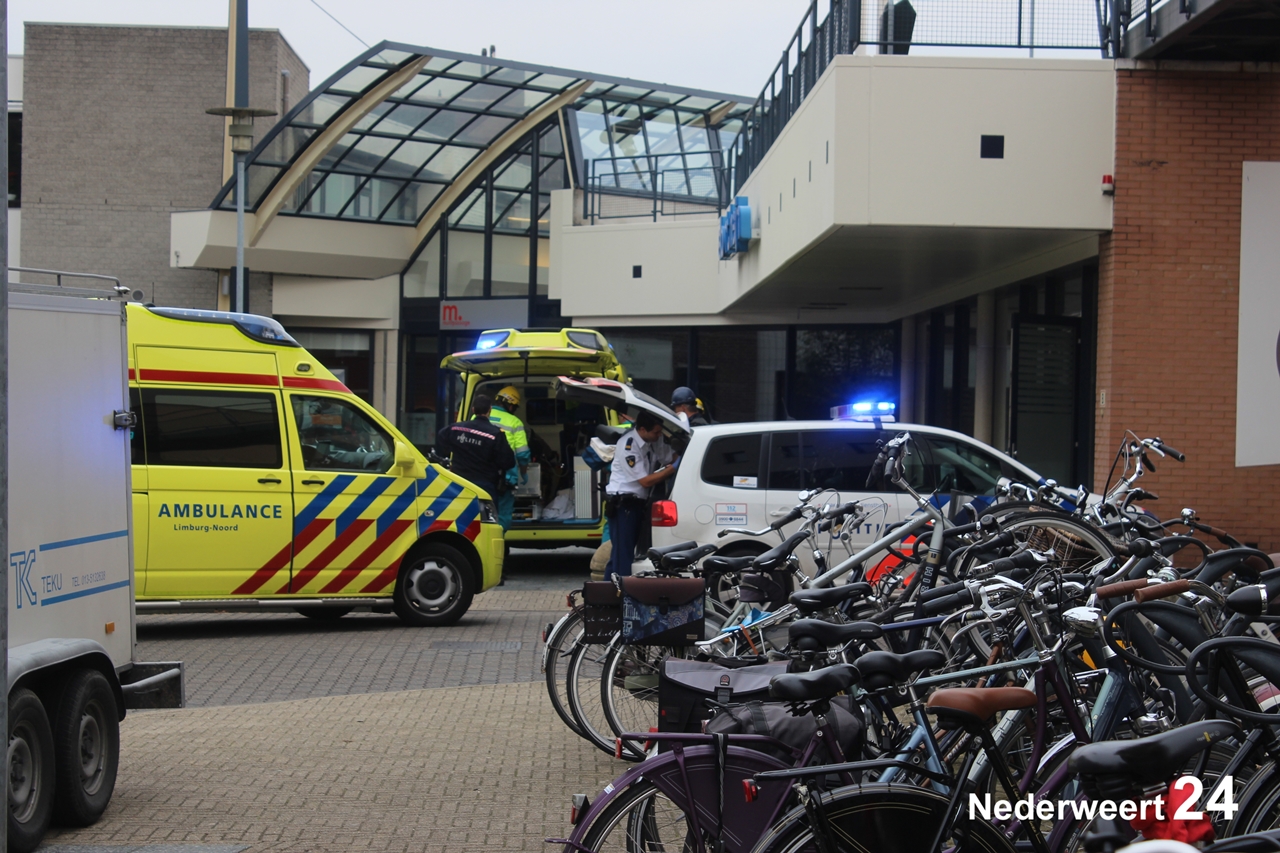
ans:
x=214 y=429
x=337 y=436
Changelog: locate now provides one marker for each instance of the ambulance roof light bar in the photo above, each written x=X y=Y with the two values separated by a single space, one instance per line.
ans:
x=881 y=412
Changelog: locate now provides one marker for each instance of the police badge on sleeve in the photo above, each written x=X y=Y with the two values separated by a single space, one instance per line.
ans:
x=631 y=462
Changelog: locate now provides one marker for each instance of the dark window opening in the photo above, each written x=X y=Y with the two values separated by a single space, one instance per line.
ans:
x=993 y=148
x=15 y=159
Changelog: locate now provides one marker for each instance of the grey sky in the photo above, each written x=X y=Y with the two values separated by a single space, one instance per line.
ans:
x=723 y=45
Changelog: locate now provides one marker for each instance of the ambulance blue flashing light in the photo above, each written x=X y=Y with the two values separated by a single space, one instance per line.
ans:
x=865 y=411
x=491 y=340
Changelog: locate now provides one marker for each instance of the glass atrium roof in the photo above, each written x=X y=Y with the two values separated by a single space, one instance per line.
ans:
x=385 y=136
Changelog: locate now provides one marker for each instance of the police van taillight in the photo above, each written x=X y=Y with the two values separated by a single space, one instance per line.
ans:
x=664 y=514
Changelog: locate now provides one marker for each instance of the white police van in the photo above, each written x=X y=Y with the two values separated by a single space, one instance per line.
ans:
x=748 y=475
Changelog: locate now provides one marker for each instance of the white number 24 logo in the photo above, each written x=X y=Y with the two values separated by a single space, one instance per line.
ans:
x=1223 y=798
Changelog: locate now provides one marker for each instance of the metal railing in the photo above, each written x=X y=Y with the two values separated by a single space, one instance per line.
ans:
x=636 y=187
x=118 y=288
x=896 y=26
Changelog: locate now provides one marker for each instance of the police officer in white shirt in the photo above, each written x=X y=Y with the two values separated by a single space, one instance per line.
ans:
x=641 y=460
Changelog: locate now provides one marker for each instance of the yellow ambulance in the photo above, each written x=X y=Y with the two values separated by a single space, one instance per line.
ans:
x=261 y=481
x=560 y=504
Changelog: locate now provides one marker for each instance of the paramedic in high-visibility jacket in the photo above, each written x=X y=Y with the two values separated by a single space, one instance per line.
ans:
x=641 y=460
x=506 y=402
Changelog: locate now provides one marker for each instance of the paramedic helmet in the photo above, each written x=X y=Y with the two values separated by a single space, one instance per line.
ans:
x=508 y=397
x=683 y=396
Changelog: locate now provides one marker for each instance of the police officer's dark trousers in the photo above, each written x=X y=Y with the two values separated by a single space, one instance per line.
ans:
x=625 y=527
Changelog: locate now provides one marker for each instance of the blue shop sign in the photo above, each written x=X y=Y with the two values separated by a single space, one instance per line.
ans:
x=735 y=228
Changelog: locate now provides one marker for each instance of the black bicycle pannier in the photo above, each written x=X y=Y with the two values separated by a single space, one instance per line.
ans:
x=684 y=686
x=662 y=611
x=775 y=720
x=601 y=611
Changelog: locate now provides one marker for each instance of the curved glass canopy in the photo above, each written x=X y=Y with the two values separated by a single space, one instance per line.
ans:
x=386 y=136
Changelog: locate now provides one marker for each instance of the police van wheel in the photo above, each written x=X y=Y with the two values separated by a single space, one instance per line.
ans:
x=86 y=739
x=31 y=771
x=435 y=587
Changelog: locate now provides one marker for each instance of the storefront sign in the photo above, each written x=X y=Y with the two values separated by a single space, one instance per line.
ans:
x=480 y=314
x=735 y=228
x=1258 y=355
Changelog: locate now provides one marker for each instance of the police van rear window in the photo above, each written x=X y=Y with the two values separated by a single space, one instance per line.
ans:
x=263 y=329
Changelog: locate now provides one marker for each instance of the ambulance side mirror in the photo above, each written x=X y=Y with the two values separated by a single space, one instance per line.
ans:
x=406 y=461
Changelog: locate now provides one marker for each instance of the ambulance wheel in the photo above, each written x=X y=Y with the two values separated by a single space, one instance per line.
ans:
x=324 y=614
x=86 y=739
x=435 y=587
x=31 y=771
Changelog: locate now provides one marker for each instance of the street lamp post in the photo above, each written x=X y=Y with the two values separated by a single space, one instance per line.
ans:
x=241 y=132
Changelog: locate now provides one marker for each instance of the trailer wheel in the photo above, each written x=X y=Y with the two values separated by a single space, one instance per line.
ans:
x=86 y=740
x=31 y=771
x=435 y=587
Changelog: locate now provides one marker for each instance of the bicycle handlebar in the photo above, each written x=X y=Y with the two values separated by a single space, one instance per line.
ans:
x=1161 y=590
x=1123 y=588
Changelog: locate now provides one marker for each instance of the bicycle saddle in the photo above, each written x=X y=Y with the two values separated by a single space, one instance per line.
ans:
x=811 y=635
x=819 y=684
x=886 y=669
x=684 y=559
x=725 y=565
x=969 y=707
x=1149 y=760
x=655 y=555
x=777 y=555
x=813 y=600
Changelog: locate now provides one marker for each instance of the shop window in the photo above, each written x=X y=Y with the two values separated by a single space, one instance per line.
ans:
x=348 y=355
x=657 y=361
x=836 y=366
x=418 y=419
x=741 y=373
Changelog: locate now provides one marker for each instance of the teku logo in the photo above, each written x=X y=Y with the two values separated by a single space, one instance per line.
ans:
x=21 y=563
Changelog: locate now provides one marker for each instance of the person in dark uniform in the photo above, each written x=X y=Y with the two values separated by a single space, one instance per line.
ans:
x=641 y=459
x=480 y=452
x=685 y=402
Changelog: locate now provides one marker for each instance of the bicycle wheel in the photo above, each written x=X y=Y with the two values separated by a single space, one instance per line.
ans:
x=586 y=667
x=1074 y=543
x=1259 y=804
x=641 y=820
x=629 y=690
x=561 y=641
x=883 y=818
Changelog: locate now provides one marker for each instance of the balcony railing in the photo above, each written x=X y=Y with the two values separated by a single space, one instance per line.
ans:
x=889 y=27
x=653 y=186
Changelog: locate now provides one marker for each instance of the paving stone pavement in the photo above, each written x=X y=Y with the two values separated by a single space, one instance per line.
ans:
x=358 y=734
x=449 y=769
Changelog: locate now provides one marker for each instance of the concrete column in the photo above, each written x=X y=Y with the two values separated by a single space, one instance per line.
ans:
x=906 y=380
x=985 y=325
x=386 y=349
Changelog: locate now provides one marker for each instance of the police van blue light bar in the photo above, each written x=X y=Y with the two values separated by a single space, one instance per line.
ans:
x=864 y=411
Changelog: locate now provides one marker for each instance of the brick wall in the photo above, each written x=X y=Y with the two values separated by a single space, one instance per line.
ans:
x=1168 y=288
x=116 y=138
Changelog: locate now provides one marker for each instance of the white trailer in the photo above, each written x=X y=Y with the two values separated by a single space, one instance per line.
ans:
x=72 y=667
